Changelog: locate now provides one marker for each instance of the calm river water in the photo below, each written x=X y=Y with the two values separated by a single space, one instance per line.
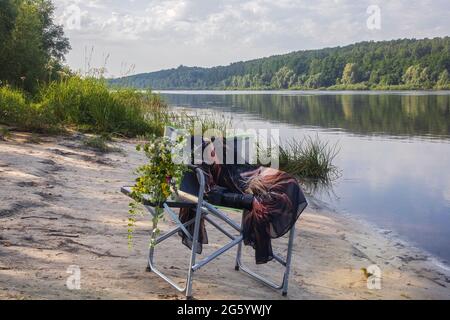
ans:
x=394 y=150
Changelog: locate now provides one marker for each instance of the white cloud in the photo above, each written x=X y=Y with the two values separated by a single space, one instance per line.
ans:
x=165 y=33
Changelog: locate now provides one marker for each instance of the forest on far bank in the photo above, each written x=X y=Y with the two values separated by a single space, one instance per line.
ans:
x=396 y=64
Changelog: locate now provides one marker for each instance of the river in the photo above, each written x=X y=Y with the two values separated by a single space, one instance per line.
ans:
x=394 y=150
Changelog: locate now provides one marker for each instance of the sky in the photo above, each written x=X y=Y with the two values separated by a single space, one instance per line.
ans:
x=135 y=36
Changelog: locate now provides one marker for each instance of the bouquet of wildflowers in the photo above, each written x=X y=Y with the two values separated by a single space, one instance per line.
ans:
x=157 y=180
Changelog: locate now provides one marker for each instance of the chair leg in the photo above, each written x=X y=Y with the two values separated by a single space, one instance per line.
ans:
x=152 y=249
x=150 y=259
x=285 y=284
x=238 y=256
x=193 y=256
x=239 y=248
x=288 y=261
x=198 y=217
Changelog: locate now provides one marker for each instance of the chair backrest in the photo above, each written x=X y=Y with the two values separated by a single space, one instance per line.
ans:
x=189 y=183
x=240 y=152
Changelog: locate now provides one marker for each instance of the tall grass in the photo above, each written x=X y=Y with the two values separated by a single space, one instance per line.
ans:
x=309 y=158
x=184 y=120
x=17 y=110
x=90 y=104
x=13 y=106
x=86 y=104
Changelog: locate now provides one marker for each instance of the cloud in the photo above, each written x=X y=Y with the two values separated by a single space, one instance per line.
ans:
x=165 y=33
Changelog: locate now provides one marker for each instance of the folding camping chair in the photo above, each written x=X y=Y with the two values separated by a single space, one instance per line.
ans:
x=191 y=195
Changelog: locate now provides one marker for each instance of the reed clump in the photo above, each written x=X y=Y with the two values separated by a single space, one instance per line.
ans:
x=309 y=158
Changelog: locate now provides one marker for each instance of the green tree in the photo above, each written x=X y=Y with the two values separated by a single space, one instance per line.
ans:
x=443 y=80
x=7 y=19
x=313 y=81
x=350 y=74
x=374 y=77
x=417 y=76
x=412 y=75
x=425 y=78
x=283 y=78
x=35 y=45
x=55 y=43
x=27 y=57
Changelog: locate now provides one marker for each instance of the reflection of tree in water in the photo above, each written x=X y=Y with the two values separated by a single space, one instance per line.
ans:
x=411 y=115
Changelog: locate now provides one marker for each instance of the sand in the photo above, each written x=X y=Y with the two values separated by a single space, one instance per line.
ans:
x=60 y=205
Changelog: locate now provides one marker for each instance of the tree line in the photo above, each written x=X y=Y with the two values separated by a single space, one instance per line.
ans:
x=32 y=46
x=396 y=64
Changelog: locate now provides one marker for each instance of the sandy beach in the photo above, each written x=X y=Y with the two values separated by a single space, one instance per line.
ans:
x=60 y=205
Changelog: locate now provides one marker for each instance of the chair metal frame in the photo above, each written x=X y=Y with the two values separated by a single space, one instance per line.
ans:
x=203 y=210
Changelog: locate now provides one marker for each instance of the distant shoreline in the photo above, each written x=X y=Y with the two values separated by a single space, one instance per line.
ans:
x=309 y=91
x=404 y=64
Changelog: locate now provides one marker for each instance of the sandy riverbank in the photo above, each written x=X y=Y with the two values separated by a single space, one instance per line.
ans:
x=60 y=205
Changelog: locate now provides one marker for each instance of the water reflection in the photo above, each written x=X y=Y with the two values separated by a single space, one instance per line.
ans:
x=391 y=114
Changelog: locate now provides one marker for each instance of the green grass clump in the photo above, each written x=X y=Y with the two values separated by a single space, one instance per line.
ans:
x=309 y=158
x=86 y=105
x=99 y=143
x=34 y=139
x=4 y=133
